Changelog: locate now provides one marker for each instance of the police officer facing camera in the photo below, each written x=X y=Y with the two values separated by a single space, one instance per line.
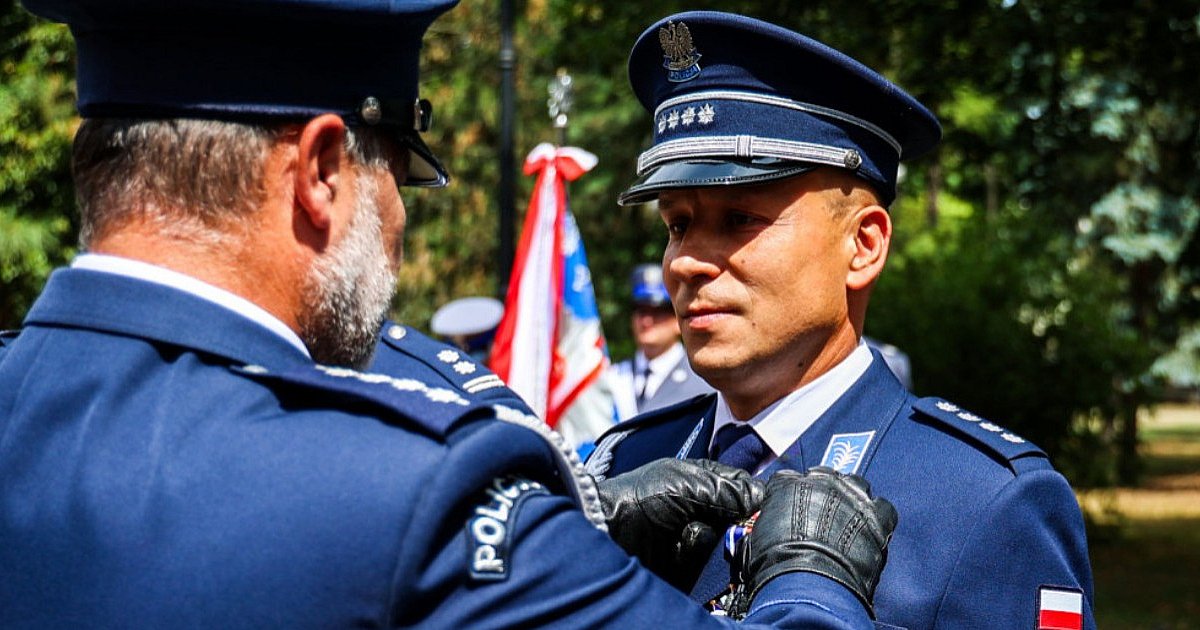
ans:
x=773 y=162
x=187 y=440
x=658 y=374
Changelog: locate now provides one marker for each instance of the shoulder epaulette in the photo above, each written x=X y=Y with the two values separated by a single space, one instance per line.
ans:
x=435 y=410
x=979 y=431
x=451 y=364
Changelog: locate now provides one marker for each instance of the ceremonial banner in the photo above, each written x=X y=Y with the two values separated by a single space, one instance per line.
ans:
x=549 y=347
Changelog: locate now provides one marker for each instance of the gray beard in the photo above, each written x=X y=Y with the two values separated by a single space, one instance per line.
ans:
x=348 y=290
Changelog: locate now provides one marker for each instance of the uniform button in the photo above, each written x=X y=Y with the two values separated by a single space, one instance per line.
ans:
x=397 y=332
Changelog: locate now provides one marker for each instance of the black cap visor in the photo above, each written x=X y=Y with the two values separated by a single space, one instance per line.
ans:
x=424 y=169
x=701 y=173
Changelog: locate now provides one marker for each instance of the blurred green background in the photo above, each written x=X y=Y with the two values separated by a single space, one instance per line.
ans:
x=1044 y=268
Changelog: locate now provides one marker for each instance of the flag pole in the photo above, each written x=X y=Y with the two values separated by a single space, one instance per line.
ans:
x=562 y=97
x=508 y=186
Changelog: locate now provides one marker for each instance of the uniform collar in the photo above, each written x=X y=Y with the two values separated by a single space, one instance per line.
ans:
x=161 y=275
x=783 y=422
x=113 y=303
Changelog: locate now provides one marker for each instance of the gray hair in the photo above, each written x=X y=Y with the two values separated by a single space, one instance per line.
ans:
x=192 y=178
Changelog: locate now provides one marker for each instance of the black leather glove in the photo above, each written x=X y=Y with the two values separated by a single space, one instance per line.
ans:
x=823 y=522
x=668 y=513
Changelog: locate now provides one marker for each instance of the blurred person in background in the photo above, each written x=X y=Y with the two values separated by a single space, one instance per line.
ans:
x=658 y=374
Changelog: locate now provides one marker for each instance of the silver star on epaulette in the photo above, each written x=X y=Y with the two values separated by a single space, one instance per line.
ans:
x=1012 y=438
x=707 y=114
x=988 y=426
x=969 y=417
x=673 y=119
x=662 y=124
x=464 y=367
x=448 y=356
x=945 y=406
x=689 y=116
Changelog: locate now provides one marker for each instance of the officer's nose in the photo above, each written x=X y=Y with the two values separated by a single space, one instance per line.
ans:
x=693 y=261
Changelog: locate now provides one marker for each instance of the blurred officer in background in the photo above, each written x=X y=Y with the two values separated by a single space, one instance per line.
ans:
x=185 y=440
x=469 y=323
x=658 y=374
x=773 y=162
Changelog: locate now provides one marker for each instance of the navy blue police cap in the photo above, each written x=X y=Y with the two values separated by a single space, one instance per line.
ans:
x=256 y=61
x=648 y=287
x=739 y=101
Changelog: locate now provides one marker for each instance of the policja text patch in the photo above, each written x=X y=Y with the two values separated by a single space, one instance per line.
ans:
x=490 y=523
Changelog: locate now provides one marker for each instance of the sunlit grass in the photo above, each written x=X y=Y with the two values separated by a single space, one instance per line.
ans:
x=1146 y=541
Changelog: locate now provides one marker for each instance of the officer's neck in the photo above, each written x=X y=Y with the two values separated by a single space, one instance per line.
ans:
x=760 y=386
x=252 y=271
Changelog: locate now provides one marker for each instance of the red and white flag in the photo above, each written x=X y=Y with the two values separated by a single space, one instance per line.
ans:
x=1060 y=609
x=549 y=347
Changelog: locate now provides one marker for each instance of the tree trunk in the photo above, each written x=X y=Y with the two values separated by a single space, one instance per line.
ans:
x=932 y=190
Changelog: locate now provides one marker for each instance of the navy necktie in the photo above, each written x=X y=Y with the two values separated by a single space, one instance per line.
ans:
x=641 y=397
x=739 y=446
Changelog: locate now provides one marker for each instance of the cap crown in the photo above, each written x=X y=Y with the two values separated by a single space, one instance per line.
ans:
x=729 y=88
x=253 y=60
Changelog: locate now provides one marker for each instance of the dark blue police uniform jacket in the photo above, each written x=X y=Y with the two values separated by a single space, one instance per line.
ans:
x=165 y=462
x=987 y=527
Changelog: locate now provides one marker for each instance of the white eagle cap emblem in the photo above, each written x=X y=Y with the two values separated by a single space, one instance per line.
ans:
x=679 y=53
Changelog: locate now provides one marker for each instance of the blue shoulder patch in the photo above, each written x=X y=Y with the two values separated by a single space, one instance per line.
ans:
x=996 y=438
x=434 y=409
x=451 y=364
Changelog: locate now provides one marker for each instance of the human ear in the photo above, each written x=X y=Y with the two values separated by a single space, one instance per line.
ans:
x=322 y=170
x=871 y=235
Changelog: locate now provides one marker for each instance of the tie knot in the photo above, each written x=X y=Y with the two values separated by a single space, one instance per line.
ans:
x=739 y=446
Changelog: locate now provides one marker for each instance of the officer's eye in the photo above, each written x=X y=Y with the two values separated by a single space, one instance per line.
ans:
x=676 y=226
x=740 y=219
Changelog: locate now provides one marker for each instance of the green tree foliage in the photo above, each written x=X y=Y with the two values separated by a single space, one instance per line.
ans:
x=1044 y=265
x=36 y=123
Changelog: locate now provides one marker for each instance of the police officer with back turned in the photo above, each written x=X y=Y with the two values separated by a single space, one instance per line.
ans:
x=773 y=162
x=187 y=440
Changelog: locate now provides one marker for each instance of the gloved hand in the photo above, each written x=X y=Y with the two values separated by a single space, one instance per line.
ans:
x=823 y=522
x=668 y=513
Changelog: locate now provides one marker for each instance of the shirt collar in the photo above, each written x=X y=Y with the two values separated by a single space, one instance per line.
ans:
x=661 y=363
x=786 y=419
x=161 y=275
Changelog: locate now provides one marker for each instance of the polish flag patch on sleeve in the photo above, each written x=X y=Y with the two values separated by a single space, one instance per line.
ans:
x=1059 y=608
